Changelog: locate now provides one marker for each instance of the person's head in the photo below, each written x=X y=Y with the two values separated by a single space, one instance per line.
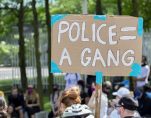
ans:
x=55 y=87
x=81 y=85
x=69 y=98
x=31 y=94
x=107 y=86
x=77 y=111
x=144 y=60
x=127 y=106
x=14 y=91
x=30 y=89
x=122 y=92
x=74 y=89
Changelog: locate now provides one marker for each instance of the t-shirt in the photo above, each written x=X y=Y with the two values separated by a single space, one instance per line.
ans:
x=71 y=79
x=145 y=70
x=16 y=101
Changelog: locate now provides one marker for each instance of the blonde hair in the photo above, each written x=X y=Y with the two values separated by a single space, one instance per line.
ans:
x=1 y=94
x=33 y=96
x=70 y=97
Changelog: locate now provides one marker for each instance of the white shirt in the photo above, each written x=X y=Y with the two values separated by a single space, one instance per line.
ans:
x=114 y=114
x=71 y=79
x=145 y=71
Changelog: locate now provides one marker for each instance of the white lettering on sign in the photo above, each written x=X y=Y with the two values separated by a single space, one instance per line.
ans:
x=75 y=24
x=131 y=59
x=98 y=57
x=62 y=30
x=111 y=57
x=88 y=59
x=98 y=34
x=65 y=55
x=111 y=34
x=83 y=38
x=115 y=58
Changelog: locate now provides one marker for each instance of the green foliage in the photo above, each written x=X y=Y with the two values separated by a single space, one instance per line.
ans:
x=91 y=6
x=6 y=51
x=145 y=12
x=66 y=7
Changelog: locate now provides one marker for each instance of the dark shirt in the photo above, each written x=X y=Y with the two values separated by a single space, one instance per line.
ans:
x=131 y=117
x=16 y=101
x=145 y=104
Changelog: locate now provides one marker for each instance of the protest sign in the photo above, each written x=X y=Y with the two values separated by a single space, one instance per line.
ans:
x=89 y=43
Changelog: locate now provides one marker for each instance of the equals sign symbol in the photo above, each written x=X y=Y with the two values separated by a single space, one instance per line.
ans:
x=127 y=29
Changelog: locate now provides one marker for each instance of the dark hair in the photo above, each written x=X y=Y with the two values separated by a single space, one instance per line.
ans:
x=144 y=60
x=147 y=87
x=128 y=103
x=81 y=83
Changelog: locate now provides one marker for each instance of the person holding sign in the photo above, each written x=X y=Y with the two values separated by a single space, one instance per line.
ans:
x=104 y=100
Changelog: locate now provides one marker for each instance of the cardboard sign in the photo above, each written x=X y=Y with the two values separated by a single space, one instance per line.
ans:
x=96 y=43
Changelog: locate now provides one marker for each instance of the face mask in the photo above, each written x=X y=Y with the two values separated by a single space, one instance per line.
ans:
x=30 y=90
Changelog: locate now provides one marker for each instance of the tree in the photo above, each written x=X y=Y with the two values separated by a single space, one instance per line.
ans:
x=99 y=7
x=22 y=60
x=66 y=7
x=17 y=9
x=50 y=78
x=134 y=13
x=119 y=6
x=135 y=7
x=37 y=52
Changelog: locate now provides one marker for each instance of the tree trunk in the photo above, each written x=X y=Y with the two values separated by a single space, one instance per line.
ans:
x=99 y=7
x=50 y=78
x=37 y=53
x=135 y=7
x=119 y=6
x=134 y=13
x=22 y=57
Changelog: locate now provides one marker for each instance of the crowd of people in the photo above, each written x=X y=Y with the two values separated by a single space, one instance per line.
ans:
x=68 y=103
x=78 y=100
x=18 y=103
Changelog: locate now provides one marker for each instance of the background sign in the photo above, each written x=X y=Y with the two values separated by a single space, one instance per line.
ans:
x=90 y=43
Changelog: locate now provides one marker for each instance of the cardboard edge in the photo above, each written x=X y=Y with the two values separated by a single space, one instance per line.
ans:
x=54 y=68
x=57 y=17
x=100 y=17
x=140 y=26
x=135 y=70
